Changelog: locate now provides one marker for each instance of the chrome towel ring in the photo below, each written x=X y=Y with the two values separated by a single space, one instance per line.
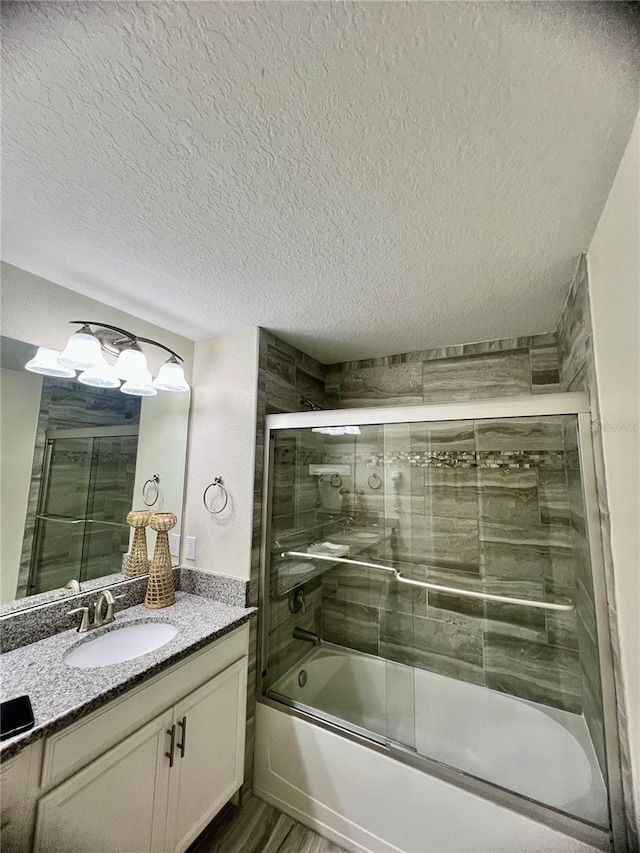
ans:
x=217 y=482
x=374 y=481
x=153 y=482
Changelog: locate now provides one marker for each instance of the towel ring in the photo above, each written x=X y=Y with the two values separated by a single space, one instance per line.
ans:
x=374 y=481
x=154 y=481
x=217 y=482
x=336 y=481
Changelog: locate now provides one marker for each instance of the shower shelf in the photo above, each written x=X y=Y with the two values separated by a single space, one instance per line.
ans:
x=466 y=593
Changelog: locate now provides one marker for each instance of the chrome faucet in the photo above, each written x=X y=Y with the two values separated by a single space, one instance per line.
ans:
x=92 y=614
x=106 y=596
x=303 y=634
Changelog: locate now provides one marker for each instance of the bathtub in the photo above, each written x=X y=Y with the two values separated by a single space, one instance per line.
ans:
x=541 y=753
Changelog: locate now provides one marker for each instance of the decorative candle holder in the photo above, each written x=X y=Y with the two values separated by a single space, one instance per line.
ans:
x=160 y=589
x=138 y=560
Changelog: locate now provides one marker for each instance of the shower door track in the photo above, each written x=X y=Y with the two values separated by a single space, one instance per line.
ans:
x=570 y=403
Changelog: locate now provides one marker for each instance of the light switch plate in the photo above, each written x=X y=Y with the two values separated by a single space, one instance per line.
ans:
x=190 y=551
x=174 y=544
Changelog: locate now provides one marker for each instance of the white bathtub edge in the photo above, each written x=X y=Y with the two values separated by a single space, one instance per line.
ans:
x=352 y=787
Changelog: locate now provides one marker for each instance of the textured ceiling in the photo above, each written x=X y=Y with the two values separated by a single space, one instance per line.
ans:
x=361 y=179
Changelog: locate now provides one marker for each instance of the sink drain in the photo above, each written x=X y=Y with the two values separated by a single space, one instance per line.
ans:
x=302 y=677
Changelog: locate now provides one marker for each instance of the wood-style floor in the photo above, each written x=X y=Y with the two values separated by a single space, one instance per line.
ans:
x=257 y=827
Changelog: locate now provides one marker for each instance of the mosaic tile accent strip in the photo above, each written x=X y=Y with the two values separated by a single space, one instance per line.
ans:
x=553 y=459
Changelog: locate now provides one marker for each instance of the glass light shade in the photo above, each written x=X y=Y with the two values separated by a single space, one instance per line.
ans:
x=139 y=386
x=45 y=361
x=171 y=377
x=131 y=364
x=83 y=350
x=102 y=376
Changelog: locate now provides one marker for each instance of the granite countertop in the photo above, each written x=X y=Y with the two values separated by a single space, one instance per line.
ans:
x=61 y=694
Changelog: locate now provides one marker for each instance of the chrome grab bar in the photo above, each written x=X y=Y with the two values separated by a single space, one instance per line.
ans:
x=466 y=593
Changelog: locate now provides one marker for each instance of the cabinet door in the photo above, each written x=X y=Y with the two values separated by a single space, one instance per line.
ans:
x=210 y=723
x=115 y=805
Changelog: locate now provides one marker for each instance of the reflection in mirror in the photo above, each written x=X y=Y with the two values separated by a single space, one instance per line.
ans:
x=76 y=460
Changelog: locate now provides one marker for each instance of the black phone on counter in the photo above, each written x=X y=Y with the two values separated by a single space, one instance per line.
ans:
x=16 y=716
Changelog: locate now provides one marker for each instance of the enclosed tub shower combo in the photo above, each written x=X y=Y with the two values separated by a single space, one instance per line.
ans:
x=432 y=590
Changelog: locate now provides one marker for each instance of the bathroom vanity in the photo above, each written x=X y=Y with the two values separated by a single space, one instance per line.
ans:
x=138 y=755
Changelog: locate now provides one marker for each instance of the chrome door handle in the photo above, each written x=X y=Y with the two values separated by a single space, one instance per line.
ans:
x=183 y=743
x=172 y=734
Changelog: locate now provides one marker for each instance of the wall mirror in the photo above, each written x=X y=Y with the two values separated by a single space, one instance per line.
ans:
x=75 y=460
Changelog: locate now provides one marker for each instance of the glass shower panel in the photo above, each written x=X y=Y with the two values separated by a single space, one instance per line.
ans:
x=494 y=507
x=60 y=520
x=429 y=587
x=109 y=498
x=85 y=495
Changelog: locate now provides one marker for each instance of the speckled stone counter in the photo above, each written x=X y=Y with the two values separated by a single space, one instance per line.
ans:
x=61 y=694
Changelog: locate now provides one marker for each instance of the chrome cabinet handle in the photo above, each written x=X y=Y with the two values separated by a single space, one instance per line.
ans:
x=183 y=743
x=172 y=734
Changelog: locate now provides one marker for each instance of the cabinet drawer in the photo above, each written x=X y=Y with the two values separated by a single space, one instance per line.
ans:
x=70 y=749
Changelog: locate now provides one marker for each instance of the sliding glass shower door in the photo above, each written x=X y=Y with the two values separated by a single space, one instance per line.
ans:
x=85 y=494
x=429 y=586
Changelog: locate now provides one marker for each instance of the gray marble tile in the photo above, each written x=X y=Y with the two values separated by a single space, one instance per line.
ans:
x=515 y=551
x=509 y=496
x=451 y=493
x=284 y=650
x=353 y=625
x=474 y=377
x=403 y=598
x=359 y=585
x=281 y=396
x=373 y=386
x=545 y=369
x=442 y=435
x=574 y=327
x=535 y=671
x=512 y=434
x=562 y=627
x=281 y=365
x=447 y=648
x=450 y=543
x=553 y=496
x=310 y=386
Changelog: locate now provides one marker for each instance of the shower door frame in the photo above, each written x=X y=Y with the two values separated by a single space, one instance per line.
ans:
x=570 y=403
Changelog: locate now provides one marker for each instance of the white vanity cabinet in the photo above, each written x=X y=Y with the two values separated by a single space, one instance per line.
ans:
x=149 y=770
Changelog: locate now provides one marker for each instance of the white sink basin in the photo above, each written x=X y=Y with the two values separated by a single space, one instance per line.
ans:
x=126 y=643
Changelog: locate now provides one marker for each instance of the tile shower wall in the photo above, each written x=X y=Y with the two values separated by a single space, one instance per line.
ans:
x=291 y=374
x=284 y=374
x=577 y=373
x=526 y=365
x=479 y=505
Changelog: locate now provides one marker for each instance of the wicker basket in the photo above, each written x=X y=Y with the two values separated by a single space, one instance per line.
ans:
x=138 y=560
x=160 y=588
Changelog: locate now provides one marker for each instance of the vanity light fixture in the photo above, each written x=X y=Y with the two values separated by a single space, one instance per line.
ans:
x=83 y=350
x=171 y=376
x=45 y=361
x=83 y=353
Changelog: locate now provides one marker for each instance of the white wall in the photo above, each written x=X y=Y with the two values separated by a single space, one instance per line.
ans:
x=38 y=311
x=222 y=440
x=162 y=449
x=20 y=404
x=614 y=283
